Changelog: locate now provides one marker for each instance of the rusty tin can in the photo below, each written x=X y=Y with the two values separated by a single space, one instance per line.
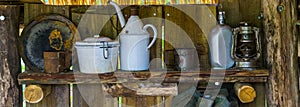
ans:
x=55 y=62
x=186 y=59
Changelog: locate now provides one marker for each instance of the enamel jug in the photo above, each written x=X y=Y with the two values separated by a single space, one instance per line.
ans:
x=134 y=41
x=220 y=40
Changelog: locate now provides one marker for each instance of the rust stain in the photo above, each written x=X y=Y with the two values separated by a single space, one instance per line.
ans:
x=55 y=40
x=69 y=43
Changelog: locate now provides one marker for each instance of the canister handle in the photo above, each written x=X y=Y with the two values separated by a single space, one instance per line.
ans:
x=154 y=35
x=105 y=49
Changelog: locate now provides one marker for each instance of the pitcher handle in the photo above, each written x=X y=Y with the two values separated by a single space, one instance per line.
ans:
x=154 y=35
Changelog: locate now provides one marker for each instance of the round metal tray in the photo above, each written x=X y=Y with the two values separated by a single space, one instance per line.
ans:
x=50 y=32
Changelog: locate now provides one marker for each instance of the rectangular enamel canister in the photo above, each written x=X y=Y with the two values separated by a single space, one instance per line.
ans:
x=186 y=59
x=97 y=57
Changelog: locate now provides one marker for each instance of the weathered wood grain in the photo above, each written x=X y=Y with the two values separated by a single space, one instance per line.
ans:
x=121 y=77
x=183 y=97
x=189 y=27
x=78 y=100
x=18 y=2
x=281 y=37
x=142 y=101
x=168 y=101
x=9 y=57
x=141 y=89
x=33 y=10
x=92 y=95
x=96 y=24
x=59 y=96
x=241 y=11
x=130 y=101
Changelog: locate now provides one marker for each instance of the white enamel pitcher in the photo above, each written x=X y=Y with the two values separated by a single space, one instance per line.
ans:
x=134 y=42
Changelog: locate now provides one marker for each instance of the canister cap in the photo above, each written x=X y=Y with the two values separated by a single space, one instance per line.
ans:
x=221 y=17
x=99 y=43
x=98 y=38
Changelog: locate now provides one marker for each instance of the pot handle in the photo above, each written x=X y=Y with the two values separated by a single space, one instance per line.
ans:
x=105 y=49
x=154 y=35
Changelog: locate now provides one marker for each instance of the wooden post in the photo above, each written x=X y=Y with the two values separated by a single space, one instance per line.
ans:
x=9 y=58
x=281 y=55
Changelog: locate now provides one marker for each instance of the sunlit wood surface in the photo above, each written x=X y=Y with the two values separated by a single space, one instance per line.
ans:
x=127 y=2
x=228 y=76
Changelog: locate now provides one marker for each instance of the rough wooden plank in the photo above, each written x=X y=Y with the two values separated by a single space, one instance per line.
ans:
x=236 y=12
x=18 y=2
x=91 y=95
x=281 y=36
x=141 y=89
x=169 y=89
x=133 y=77
x=142 y=101
x=122 y=80
x=96 y=24
x=78 y=100
x=251 y=13
x=58 y=97
x=33 y=10
x=9 y=57
x=183 y=97
x=154 y=101
x=168 y=101
x=129 y=101
x=232 y=9
x=110 y=101
x=188 y=27
x=30 y=1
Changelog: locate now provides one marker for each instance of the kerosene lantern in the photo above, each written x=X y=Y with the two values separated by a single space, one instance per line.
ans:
x=246 y=47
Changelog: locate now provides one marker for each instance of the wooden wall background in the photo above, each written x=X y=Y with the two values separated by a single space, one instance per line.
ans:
x=10 y=65
x=59 y=95
x=282 y=59
x=172 y=23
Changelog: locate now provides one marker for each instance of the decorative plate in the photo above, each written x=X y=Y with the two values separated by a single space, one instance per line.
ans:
x=46 y=33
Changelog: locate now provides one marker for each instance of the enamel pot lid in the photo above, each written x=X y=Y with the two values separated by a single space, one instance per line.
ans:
x=97 y=41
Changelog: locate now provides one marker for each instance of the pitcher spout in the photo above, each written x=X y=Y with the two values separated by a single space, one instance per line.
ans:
x=119 y=13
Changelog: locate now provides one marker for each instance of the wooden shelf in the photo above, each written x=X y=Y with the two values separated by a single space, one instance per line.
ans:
x=233 y=75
